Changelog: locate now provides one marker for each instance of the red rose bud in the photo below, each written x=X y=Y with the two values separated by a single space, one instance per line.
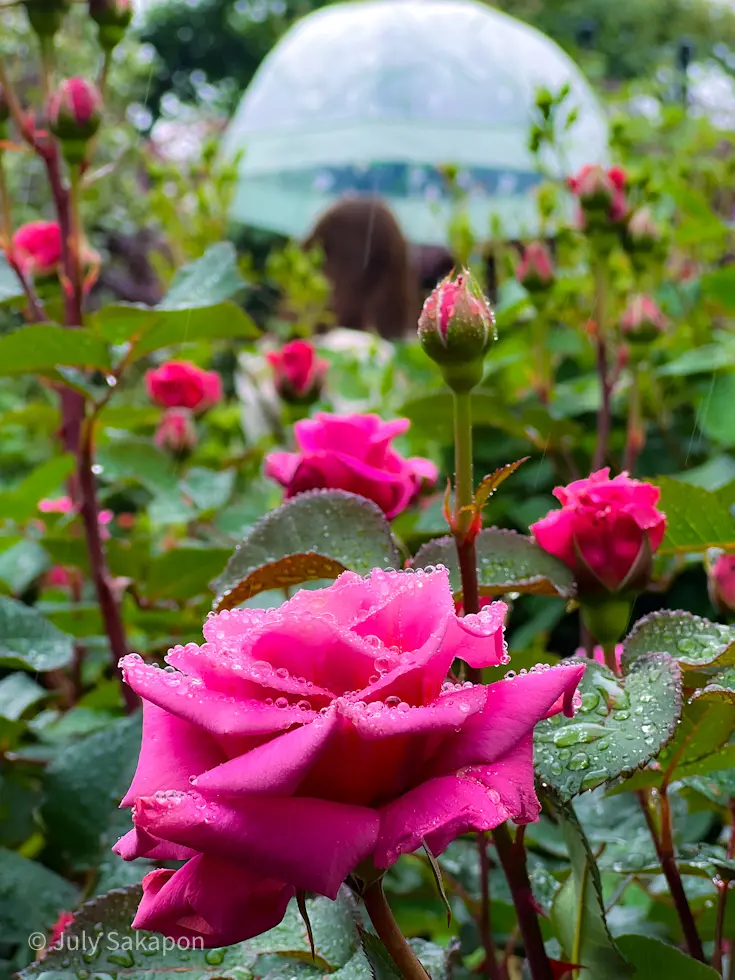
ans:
x=535 y=271
x=46 y=16
x=721 y=581
x=37 y=247
x=74 y=113
x=601 y=192
x=642 y=320
x=455 y=328
x=606 y=531
x=176 y=431
x=179 y=384
x=113 y=18
x=643 y=231
x=297 y=372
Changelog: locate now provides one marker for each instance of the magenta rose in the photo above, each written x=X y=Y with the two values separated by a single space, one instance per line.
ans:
x=298 y=372
x=606 y=531
x=36 y=247
x=180 y=384
x=354 y=453
x=303 y=743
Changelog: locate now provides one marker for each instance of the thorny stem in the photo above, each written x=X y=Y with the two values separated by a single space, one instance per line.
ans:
x=723 y=889
x=490 y=966
x=512 y=855
x=664 y=844
x=392 y=938
x=604 y=413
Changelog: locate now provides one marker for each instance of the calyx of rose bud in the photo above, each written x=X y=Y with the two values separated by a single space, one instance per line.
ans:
x=535 y=271
x=113 y=18
x=642 y=321
x=74 y=113
x=46 y=16
x=456 y=328
x=607 y=618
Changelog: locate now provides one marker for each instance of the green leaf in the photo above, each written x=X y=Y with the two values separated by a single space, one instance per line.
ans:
x=577 y=912
x=692 y=640
x=718 y=786
x=21 y=564
x=31 y=897
x=698 y=360
x=490 y=483
x=21 y=502
x=720 y=687
x=137 y=460
x=29 y=641
x=10 y=284
x=331 y=524
x=697 y=519
x=652 y=958
x=714 y=415
x=209 y=280
x=208 y=489
x=184 y=573
x=284 y=573
x=381 y=965
x=40 y=348
x=95 y=773
x=720 y=286
x=621 y=724
x=17 y=693
x=506 y=562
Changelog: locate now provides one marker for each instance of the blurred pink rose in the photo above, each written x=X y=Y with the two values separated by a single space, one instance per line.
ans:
x=297 y=371
x=642 y=319
x=352 y=452
x=601 y=190
x=74 y=109
x=179 y=384
x=176 y=431
x=535 y=270
x=64 y=505
x=37 y=247
x=721 y=582
x=299 y=743
x=598 y=654
x=606 y=531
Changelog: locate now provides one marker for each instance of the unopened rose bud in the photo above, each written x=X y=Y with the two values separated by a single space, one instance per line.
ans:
x=113 y=18
x=643 y=231
x=601 y=194
x=297 y=372
x=46 y=16
x=74 y=113
x=642 y=320
x=535 y=271
x=456 y=327
x=176 y=431
x=721 y=581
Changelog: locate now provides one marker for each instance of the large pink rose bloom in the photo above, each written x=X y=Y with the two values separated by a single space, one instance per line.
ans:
x=606 y=530
x=302 y=742
x=352 y=452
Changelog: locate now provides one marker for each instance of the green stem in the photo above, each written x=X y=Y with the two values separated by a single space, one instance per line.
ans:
x=391 y=936
x=463 y=485
x=610 y=659
x=604 y=413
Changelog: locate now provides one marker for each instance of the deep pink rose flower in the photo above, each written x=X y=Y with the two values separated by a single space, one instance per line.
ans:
x=297 y=371
x=721 y=581
x=179 y=384
x=605 y=532
x=352 y=452
x=299 y=742
x=37 y=247
x=535 y=270
x=176 y=431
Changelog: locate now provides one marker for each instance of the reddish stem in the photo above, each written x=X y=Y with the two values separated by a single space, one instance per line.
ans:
x=490 y=966
x=723 y=888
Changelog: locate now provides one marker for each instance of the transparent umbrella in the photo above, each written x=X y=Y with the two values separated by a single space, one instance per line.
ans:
x=373 y=97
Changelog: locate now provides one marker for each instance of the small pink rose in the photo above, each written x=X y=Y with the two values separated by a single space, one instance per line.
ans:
x=297 y=371
x=535 y=270
x=176 y=431
x=179 y=384
x=36 y=247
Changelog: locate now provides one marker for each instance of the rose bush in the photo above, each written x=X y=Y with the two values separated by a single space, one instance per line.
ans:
x=352 y=452
x=301 y=742
x=179 y=384
x=606 y=530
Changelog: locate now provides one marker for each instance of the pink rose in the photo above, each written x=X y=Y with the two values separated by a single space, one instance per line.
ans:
x=606 y=531
x=75 y=109
x=65 y=505
x=721 y=581
x=297 y=371
x=601 y=190
x=535 y=270
x=179 y=384
x=598 y=654
x=352 y=452
x=37 y=247
x=176 y=431
x=300 y=743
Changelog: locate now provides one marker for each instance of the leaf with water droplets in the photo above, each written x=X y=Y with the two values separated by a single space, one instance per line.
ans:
x=622 y=722
x=696 y=519
x=281 y=574
x=29 y=641
x=692 y=640
x=320 y=525
x=506 y=562
x=720 y=687
x=490 y=483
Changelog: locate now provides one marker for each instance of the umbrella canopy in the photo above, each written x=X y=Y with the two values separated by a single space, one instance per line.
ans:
x=372 y=97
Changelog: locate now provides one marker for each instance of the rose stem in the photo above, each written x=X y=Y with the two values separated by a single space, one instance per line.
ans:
x=387 y=929
x=723 y=889
x=604 y=414
x=463 y=518
x=635 y=436
x=664 y=845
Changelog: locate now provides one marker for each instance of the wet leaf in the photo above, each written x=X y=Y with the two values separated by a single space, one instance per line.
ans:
x=41 y=348
x=621 y=724
x=284 y=573
x=490 y=483
x=693 y=641
x=331 y=525
x=652 y=958
x=31 y=897
x=29 y=641
x=506 y=562
x=697 y=519
x=720 y=687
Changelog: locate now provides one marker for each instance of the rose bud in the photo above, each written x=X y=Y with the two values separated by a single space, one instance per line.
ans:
x=642 y=320
x=36 y=247
x=113 y=18
x=176 y=431
x=74 y=115
x=601 y=193
x=535 y=271
x=297 y=372
x=643 y=232
x=455 y=328
x=179 y=384
x=721 y=582
x=46 y=16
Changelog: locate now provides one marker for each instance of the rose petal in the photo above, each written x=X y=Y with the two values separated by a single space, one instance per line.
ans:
x=137 y=843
